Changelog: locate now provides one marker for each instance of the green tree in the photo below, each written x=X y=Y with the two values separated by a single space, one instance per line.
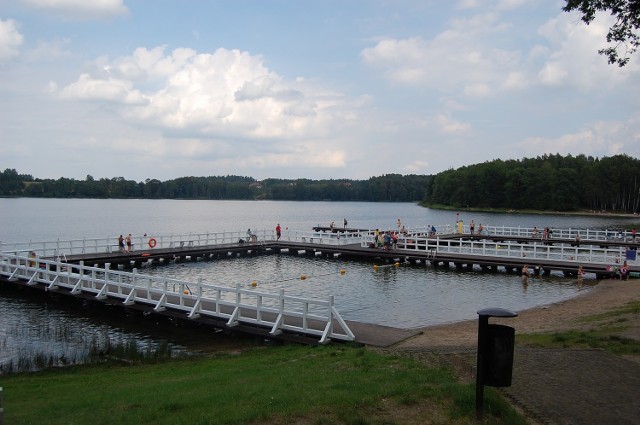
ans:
x=623 y=34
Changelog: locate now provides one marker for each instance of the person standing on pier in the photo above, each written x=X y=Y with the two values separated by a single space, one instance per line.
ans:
x=121 y=243
x=129 y=244
x=345 y=223
x=278 y=232
x=472 y=226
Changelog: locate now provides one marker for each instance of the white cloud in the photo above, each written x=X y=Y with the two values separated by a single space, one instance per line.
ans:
x=602 y=138
x=477 y=90
x=49 y=51
x=10 y=39
x=469 y=58
x=228 y=93
x=114 y=90
x=81 y=9
x=458 y=57
x=416 y=167
x=224 y=109
x=572 y=58
x=450 y=126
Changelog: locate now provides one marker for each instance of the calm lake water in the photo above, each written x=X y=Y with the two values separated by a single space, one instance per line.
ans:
x=406 y=297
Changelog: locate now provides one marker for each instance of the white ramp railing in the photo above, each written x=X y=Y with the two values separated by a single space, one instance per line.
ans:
x=276 y=312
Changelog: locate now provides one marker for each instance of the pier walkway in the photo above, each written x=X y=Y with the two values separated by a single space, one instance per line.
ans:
x=505 y=249
x=95 y=269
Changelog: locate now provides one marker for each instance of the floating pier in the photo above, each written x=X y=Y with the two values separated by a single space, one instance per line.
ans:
x=93 y=269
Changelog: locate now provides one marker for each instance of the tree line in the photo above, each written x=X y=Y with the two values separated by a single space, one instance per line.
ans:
x=545 y=183
x=386 y=188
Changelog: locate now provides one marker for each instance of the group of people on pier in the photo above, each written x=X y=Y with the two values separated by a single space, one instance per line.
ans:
x=546 y=233
x=384 y=239
x=459 y=228
x=125 y=240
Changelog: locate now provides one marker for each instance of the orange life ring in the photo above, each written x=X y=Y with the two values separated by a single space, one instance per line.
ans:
x=152 y=243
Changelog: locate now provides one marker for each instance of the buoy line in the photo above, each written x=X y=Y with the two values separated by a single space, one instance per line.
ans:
x=303 y=276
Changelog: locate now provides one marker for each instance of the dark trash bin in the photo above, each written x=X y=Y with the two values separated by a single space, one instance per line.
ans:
x=495 y=354
x=498 y=358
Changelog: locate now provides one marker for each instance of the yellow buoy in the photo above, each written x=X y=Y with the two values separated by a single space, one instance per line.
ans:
x=186 y=292
x=375 y=267
x=303 y=276
x=397 y=264
x=254 y=283
x=342 y=271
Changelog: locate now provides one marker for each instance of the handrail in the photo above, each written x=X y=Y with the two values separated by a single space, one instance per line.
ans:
x=60 y=248
x=277 y=312
x=519 y=231
x=324 y=238
x=512 y=249
x=110 y=244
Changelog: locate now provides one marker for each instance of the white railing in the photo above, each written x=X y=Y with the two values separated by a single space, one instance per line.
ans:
x=59 y=248
x=236 y=305
x=324 y=238
x=556 y=233
x=512 y=249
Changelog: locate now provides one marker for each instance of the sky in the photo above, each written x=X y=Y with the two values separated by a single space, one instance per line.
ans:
x=293 y=89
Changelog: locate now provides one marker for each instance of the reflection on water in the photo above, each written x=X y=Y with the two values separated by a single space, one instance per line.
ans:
x=38 y=332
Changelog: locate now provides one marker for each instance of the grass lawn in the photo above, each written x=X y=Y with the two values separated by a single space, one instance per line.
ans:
x=604 y=332
x=335 y=384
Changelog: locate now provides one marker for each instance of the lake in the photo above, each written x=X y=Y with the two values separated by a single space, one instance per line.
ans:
x=405 y=297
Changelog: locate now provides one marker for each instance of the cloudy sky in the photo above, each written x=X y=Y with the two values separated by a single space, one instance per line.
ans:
x=303 y=88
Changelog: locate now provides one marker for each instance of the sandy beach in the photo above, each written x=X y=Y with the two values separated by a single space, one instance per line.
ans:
x=566 y=315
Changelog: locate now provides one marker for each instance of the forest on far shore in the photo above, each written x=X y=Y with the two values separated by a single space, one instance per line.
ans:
x=544 y=183
x=386 y=188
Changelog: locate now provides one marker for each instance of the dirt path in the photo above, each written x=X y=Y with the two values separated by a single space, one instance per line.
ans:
x=560 y=386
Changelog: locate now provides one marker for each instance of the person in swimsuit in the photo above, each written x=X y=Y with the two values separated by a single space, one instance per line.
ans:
x=525 y=274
